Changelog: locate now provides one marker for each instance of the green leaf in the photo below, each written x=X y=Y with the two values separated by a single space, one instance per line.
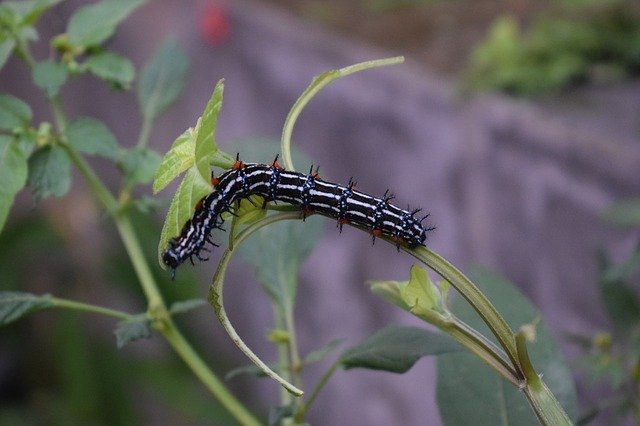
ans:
x=15 y=305
x=194 y=146
x=14 y=113
x=420 y=294
x=251 y=370
x=49 y=172
x=6 y=49
x=277 y=251
x=191 y=190
x=162 y=80
x=390 y=291
x=93 y=24
x=624 y=213
x=49 y=76
x=113 y=68
x=186 y=306
x=37 y=9
x=620 y=300
x=397 y=348
x=621 y=303
x=138 y=327
x=139 y=164
x=178 y=159
x=469 y=392
x=13 y=174
x=27 y=12
x=92 y=137
x=321 y=353
x=205 y=132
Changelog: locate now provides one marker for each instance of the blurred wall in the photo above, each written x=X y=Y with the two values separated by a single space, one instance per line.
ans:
x=514 y=185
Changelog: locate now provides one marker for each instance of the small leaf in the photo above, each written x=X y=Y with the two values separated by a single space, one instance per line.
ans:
x=279 y=336
x=624 y=213
x=113 y=68
x=37 y=8
x=397 y=348
x=162 y=80
x=138 y=327
x=14 y=113
x=6 y=49
x=321 y=353
x=420 y=294
x=14 y=305
x=205 y=131
x=178 y=159
x=13 y=174
x=49 y=172
x=390 y=291
x=92 y=137
x=194 y=146
x=93 y=24
x=251 y=370
x=139 y=164
x=191 y=190
x=49 y=76
x=186 y=306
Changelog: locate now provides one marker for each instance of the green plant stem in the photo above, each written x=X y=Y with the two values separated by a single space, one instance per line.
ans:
x=302 y=410
x=284 y=360
x=85 y=307
x=294 y=355
x=481 y=347
x=476 y=299
x=217 y=301
x=58 y=114
x=157 y=307
x=318 y=83
x=145 y=131
x=140 y=265
x=200 y=369
x=544 y=403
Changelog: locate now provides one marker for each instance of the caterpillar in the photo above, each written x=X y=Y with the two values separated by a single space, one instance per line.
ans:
x=308 y=191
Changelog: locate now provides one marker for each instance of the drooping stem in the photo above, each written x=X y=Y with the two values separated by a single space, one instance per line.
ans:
x=217 y=301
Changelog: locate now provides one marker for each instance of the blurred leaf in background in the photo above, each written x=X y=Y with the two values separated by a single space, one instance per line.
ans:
x=586 y=41
x=468 y=389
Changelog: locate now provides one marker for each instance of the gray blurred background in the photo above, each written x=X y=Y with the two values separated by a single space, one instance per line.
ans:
x=514 y=184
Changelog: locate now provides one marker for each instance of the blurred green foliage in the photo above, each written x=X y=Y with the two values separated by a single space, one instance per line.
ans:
x=586 y=41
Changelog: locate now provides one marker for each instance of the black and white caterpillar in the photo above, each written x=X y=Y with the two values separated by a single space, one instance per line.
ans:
x=308 y=191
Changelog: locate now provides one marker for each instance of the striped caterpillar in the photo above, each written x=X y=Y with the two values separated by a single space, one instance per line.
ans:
x=308 y=191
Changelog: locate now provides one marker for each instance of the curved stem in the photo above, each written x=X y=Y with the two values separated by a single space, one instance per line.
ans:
x=216 y=298
x=476 y=299
x=318 y=83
